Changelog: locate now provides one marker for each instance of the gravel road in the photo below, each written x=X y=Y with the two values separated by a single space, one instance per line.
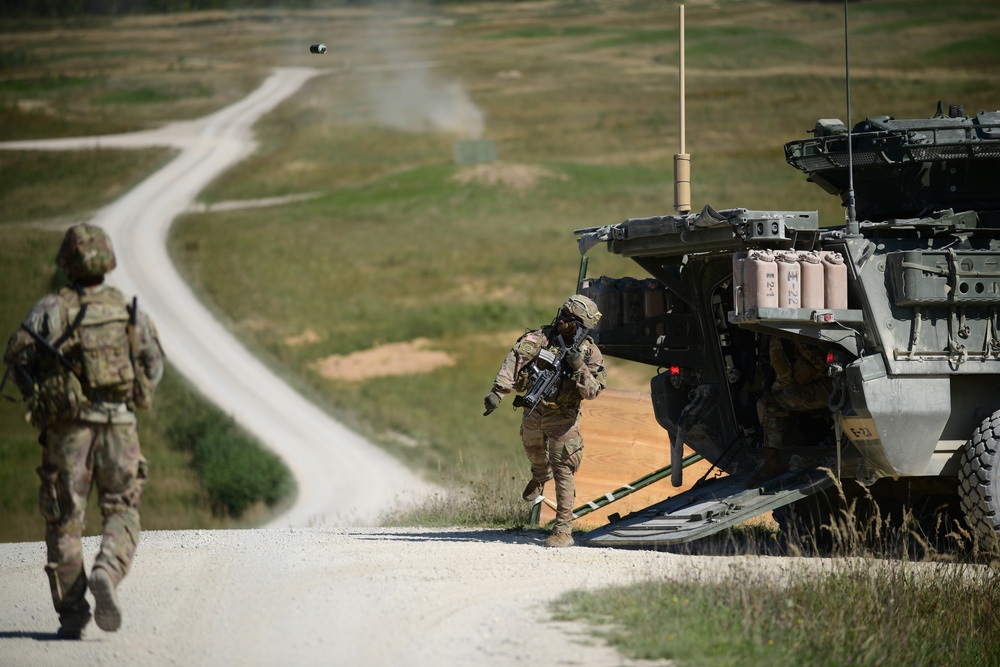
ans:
x=339 y=596
x=312 y=588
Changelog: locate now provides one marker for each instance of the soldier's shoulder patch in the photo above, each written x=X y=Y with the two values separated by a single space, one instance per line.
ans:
x=530 y=343
x=527 y=347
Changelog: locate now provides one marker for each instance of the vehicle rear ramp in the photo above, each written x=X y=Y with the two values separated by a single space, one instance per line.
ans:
x=708 y=508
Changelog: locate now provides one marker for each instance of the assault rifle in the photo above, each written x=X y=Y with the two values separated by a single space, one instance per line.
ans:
x=547 y=371
x=48 y=347
x=23 y=379
x=3 y=383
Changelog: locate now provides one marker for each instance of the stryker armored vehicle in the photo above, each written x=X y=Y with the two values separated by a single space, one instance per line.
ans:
x=907 y=313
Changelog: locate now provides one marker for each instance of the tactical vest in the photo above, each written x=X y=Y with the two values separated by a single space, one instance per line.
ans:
x=528 y=347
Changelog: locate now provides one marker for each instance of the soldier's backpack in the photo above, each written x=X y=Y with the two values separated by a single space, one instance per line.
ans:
x=90 y=362
x=102 y=341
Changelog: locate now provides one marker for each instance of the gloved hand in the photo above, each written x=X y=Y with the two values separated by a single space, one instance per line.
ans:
x=575 y=360
x=492 y=402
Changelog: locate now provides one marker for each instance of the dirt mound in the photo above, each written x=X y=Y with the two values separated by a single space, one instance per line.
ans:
x=405 y=358
x=520 y=178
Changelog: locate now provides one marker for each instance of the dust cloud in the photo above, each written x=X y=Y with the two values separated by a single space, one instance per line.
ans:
x=408 y=90
x=419 y=100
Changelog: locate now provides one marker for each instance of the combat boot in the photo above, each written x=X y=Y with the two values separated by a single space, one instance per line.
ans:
x=559 y=540
x=70 y=632
x=533 y=489
x=772 y=467
x=72 y=627
x=107 y=613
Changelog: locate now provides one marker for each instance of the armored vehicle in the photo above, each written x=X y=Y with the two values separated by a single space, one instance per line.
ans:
x=904 y=306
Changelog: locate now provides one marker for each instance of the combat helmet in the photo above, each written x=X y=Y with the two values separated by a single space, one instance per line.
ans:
x=583 y=308
x=86 y=253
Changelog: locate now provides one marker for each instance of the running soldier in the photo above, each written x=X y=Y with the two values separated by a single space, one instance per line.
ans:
x=550 y=431
x=85 y=360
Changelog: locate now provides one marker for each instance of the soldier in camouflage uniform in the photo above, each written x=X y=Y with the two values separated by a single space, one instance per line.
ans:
x=551 y=433
x=84 y=360
x=800 y=385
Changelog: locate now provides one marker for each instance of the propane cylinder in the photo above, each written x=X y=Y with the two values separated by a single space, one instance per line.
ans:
x=631 y=300
x=789 y=280
x=760 y=280
x=835 y=281
x=811 y=274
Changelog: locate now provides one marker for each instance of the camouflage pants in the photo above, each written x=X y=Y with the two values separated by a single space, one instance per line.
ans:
x=554 y=447
x=76 y=456
x=772 y=407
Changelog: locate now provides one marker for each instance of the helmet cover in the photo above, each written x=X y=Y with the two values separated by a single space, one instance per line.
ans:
x=583 y=308
x=86 y=252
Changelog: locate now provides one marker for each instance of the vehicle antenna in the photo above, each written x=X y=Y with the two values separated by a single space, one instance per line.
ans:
x=852 y=218
x=682 y=161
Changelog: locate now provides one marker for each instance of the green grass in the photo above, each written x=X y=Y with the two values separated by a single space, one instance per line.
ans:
x=863 y=612
x=40 y=84
x=549 y=32
x=151 y=95
x=50 y=184
x=981 y=50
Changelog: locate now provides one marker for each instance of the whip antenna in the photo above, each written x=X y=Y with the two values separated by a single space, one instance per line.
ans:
x=682 y=161
x=852 y=218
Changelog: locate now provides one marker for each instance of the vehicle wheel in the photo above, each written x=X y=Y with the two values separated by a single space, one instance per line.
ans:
x=979 y=481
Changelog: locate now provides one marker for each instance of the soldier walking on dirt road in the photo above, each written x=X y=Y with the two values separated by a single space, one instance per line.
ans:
x=550 y=426
x=84 y=360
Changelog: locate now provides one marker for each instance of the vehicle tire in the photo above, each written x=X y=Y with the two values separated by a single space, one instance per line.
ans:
x=979 y=481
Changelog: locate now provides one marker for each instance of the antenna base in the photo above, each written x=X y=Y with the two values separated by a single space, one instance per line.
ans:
x=682 y=182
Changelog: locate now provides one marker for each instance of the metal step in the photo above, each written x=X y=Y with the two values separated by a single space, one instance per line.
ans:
x=709 y=508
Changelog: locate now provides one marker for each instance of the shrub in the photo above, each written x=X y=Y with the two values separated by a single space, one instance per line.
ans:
x=236 y=471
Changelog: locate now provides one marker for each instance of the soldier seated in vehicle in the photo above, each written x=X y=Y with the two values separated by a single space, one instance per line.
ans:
x=800 y=385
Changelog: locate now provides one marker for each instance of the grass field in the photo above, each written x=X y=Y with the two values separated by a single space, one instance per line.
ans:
x=862 y=611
